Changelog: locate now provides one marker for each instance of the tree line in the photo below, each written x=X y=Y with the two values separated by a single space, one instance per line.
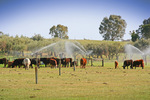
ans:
x=102 y=49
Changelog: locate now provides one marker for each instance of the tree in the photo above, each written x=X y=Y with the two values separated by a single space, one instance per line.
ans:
x=59 y=31
x=112 y=28
x=144 y=29
x=134 y=36
x=37 y=37
x=1 y=33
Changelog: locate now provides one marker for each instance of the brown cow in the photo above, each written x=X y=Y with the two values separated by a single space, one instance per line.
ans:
x=3 y=61
x=83 y=62
x=138 y=63
x=66 y=61
x=53 y=63
x=127 y=63
x=116 y=64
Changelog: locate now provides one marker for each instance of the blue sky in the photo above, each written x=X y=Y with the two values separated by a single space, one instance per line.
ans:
x=82 y=17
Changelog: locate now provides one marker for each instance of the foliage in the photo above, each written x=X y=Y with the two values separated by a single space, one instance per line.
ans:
x=59 y=31
x=37 y=37
x=144 y=29
x=142 y=44
x=20 y=45
x=134 y=36
x=112 y=28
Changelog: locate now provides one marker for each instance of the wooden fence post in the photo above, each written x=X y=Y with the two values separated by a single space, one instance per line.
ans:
x=91 y=61
x=36 y=75
x=59 y=66
x=102 y=62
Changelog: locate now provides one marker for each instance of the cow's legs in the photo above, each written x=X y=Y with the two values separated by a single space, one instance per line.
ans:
x=123 y=67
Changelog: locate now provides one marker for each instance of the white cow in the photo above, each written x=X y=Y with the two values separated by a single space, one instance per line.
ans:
x=26 y=63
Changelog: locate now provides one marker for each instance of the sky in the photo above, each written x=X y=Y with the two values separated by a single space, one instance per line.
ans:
x=82 y=17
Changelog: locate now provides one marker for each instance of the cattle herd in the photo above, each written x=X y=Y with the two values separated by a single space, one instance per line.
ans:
x=53 y=62
x=65 y=62
x=131 y=63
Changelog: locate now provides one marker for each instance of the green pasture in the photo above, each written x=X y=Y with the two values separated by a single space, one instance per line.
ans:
x=91 y=83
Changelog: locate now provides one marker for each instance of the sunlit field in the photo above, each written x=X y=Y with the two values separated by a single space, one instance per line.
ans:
x=92 y=83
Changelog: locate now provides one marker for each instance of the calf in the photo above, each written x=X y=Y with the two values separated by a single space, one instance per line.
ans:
x=83 y=62
x=116 y=64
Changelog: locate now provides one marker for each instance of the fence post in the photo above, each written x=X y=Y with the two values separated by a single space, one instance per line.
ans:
x=36 y=75
x=74 y=63
x=91 y=61
x=77 y=62
x=102 y=62
x=59 y=66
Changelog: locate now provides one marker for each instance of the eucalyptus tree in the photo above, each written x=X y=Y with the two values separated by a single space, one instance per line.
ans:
x=144 y=29
x=112 y=28
x=59 y=31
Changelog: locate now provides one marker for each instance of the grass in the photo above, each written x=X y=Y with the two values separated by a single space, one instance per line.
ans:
x=92 y=83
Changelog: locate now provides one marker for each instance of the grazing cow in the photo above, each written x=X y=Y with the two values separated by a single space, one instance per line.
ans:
x=50 y=61
x=57 y=59
x=66 y=61
x=35 y=61
x=53 y=63
x=26 y=63
x=128 y=63
x=10 y=63
x=83 y=62
x=116 y=64
x=138 y=63
x=3 y=61
x=74 y=63
x=17 y=62
x=46 y=61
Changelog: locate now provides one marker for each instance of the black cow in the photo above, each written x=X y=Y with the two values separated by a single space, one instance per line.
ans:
x=127 y=63
x=18 y=62
x=50 y=61
x=3 y=61
x=74 y=63
x=138 y=63
x=35 y=61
